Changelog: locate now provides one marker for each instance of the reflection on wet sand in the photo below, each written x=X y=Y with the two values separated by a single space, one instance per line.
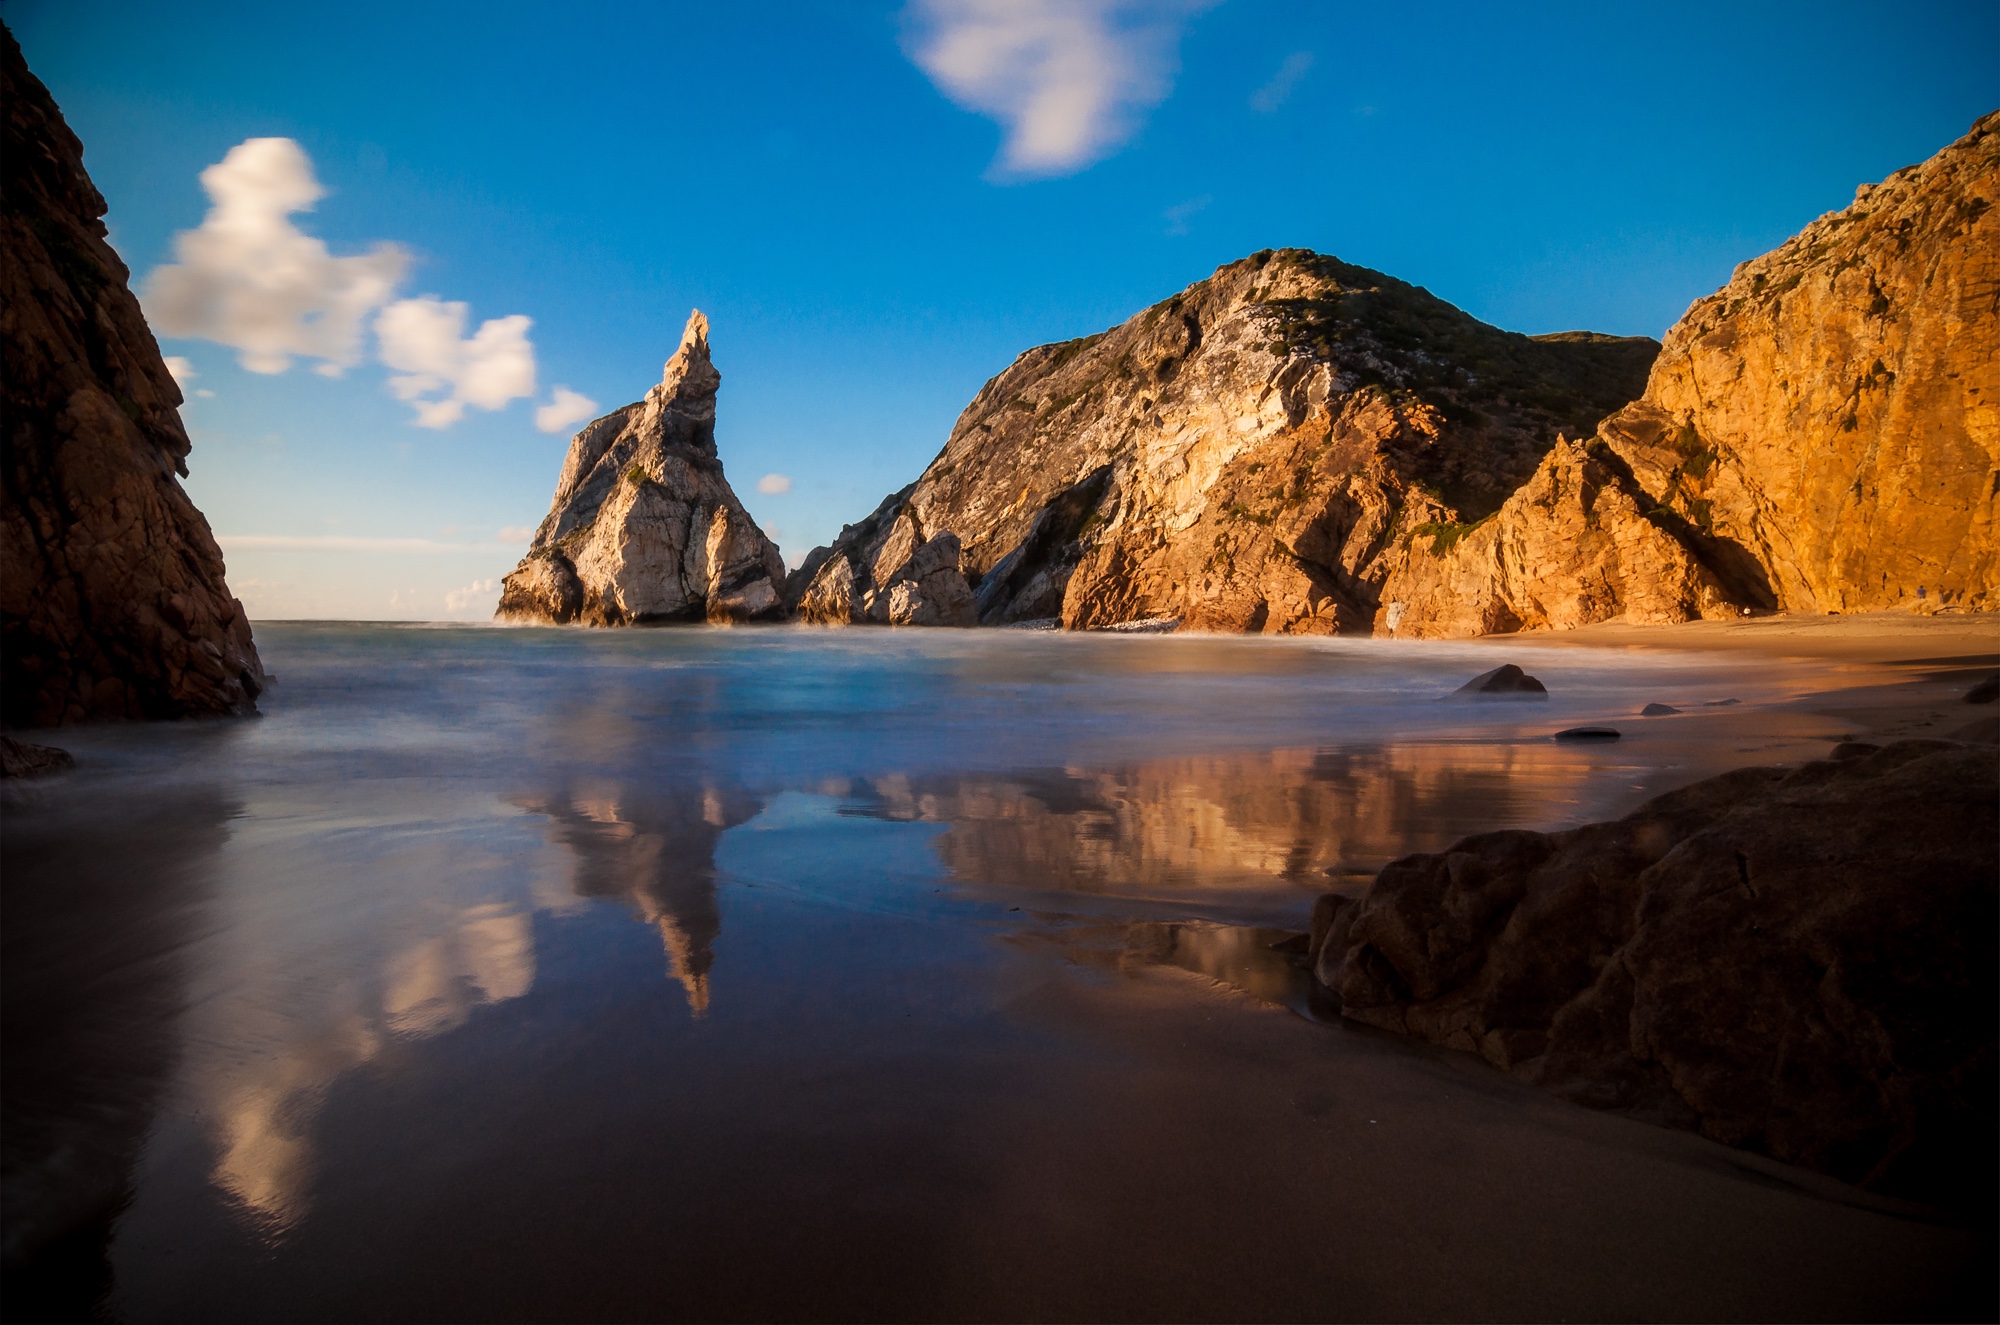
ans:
x=448 y=928
x=655 y=851
x=293 y=1043
x=1247 y=958
x=1230 y=821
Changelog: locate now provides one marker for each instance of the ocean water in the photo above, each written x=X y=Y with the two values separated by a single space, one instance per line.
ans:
x=702 y=974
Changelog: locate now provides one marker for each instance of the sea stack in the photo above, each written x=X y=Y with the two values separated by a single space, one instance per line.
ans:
x=112 y=599
x=644 y=527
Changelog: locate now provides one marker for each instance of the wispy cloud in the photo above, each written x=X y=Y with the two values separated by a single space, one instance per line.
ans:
x=1069 y=79
x=565 y=407
x=1181 y=213
x=774 y=485
x=515 y=533
x=458 y=600
x=1275 y=93
x=183 y=372
x=441 y=370
x=349 y=543
x=250 y=279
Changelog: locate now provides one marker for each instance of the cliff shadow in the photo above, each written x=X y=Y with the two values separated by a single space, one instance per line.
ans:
x=100 y=900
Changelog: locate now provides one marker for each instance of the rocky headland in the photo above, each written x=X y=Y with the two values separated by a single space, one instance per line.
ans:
x=1822 y=434
x=1247 y=455
x=644 y=527
x=1298 y=445
x=112 y=597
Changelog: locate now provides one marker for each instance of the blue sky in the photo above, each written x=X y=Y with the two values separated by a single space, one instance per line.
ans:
x=878 y=206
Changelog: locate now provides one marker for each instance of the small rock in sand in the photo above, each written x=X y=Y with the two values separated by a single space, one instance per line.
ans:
x=1657 y=710
x=1506 y=680
x=1588 y=734
x=18 y=759
x=1985 y=692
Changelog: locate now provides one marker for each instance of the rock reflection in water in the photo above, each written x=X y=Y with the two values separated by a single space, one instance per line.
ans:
x=1247 y=958
x=656 y=851
x=1229 y=821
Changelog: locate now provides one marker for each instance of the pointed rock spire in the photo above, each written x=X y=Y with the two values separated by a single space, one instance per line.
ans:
x=644 y=527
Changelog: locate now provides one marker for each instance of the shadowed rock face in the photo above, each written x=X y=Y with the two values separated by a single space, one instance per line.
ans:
x=1243 y=456
x=1821 y=433
x=112 y=600
x=1800 y=962
x=644 y=527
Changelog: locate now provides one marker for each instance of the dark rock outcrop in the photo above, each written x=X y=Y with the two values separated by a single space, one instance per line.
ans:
x=112 y=598
x=1796 y=961
x=644 y=527
x=19 y=759
x=1505 y=681
x=1247 y=455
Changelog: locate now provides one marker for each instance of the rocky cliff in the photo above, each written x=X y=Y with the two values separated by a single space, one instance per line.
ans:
x=644 y=527
x=1821 y=434
x=112 y=600
x=1299 y=445
x=1247 y=455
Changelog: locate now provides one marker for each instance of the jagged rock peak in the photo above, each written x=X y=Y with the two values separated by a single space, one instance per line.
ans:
x=112 y=597
x=644 y=527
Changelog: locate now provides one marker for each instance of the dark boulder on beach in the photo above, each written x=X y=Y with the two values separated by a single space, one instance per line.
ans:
x=19 y=759
x=1588 y=734
x=112 y=597
x=1658 y=711
x=1800 y=962
x=1985 y=692
x=1507 y=680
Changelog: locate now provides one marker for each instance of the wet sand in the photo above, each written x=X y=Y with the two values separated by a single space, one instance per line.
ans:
x=538 y=975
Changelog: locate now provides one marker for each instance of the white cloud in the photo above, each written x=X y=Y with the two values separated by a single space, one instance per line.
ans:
x=460 y=599
x=1181 y=213
x=248 y=278
x=204 y=393
x=515 y=533
x=183 y=372
x=564 y=408
x=441 y=370
x=772 y=485
x=1274 y=94
x=1068 y=78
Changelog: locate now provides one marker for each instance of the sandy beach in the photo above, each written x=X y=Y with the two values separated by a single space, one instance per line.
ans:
x=793 y=974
